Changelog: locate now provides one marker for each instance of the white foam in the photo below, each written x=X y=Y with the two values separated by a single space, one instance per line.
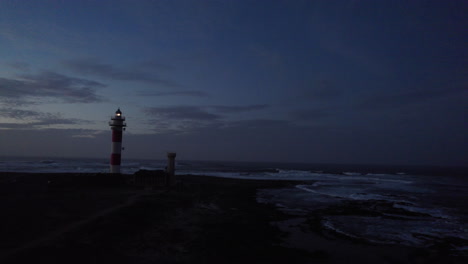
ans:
x=281 y=175
x=462 y=248
x=374 y=179
x=376 y=174
x=367 y=196
x=351 y=173
x=327 y=224
x=149 y=168
x=415 y=209
x=305 y=188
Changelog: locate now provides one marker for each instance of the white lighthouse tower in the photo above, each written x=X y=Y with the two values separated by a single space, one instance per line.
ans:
x=117 y=125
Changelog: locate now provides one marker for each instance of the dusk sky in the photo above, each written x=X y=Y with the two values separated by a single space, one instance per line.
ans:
x=368 y=82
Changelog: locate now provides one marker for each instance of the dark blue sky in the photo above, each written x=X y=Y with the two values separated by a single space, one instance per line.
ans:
x=307 y=81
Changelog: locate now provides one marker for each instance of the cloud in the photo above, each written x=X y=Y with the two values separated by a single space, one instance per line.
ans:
x=260 y=123
x=19 y=65
x=181 y=113
x=18 y=113
x=137 y=73
x=41 y=123
x=238 y=109
x=153 y=64
x=410 y=96
x=64 y=143
x=35 y=119
x=50 y=84
x=308 y=114
x=322 y=89
x=197 y=113
x=55 y=120
x=15 y=126
x=187 y=119
x=179 y=93
x=16 y=102
x=87 y=133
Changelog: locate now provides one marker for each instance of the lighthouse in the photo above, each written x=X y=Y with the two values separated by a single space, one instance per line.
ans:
x=117 y=125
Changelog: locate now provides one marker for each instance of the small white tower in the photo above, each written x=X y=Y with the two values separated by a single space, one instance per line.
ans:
x=117 y=125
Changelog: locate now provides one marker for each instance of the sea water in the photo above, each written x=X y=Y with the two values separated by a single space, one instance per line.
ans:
x=414 y=206
x=420 y=210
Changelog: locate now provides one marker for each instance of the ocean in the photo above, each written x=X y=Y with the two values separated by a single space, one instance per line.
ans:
x=404 y=205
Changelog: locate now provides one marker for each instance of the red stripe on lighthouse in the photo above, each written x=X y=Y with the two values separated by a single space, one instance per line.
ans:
x=115 y=159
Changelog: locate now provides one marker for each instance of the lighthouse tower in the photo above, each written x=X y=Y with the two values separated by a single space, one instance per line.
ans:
x=117 y=125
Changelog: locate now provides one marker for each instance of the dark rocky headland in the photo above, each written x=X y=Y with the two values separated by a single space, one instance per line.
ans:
x=102 y=218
